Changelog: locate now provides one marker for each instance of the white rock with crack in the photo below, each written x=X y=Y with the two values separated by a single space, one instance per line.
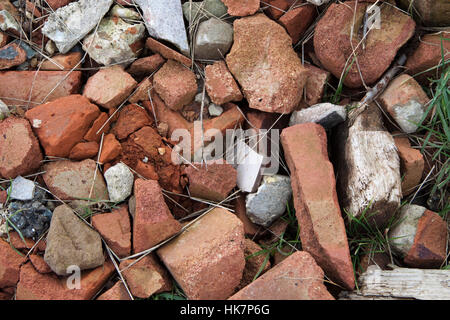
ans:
x=119 y=180
x=22 y=189
x=71 y=23
x=114 y=41
x=164 y=20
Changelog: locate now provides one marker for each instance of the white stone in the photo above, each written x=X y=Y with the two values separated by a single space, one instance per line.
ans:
x=119 y=180
x=7 y=22
x=409 y=115
x=269 y=202
x=401 y=236
x=4 y=110
x=125 y=13
x=164 y=20
x=318 y=2
x=214 y=39
x=71 y=23
x=22 y=189
x=215 y=110
x=249 y=164
x=326 y=114
x=112 y=43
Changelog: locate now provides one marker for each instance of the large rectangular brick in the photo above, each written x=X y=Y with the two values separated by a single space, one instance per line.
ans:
x=19 y=87
x=322 y=229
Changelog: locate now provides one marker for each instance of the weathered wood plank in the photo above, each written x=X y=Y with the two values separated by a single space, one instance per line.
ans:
x=423 y=284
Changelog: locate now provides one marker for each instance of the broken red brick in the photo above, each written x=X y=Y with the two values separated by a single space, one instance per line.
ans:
x=175 y=84
x=62 y=123
x=10 y=262
x=207 y=260
x=142 y=91
x=115 y=228
x=297 y=21
x=66 y=61
x=11 y=55
x=116 y=292
x=315 y=85
x=315 y=199
x=20 y=153
x=412 y=165
x=56 y=4
x=250 y=228
x=220 y=84
x=36 y=286
x=430 y=242
x=145 y=277
x=428 y=55
x=84 y=150
x=109 y=87
x=296 y=278
x=101 y=121
x=277 y=8
x=131 y=118
x=256 y=262
x=31 y=88
x=146 y=170
x=168 y=53
x=213 y=181
x=153 y=221
x=146 y=66
x=241 y=8
x=111 y=149
x=39 y=264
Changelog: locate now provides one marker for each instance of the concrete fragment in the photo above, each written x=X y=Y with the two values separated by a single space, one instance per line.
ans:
x=115 y=42
x=71 y=23
x=164 y=20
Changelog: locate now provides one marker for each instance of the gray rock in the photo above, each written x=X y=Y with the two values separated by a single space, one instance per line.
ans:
x=7 y=22
x=326 y=114
x=113 y=41
x=402 y=235
x=71 y=23
x=22 y=189
x=119 y=180
x=71 y=242
x=409 y=115
x=203 y=10
x=269 y=202
x=215 y=8
x=215 y=110
x=28 y=50
x=164 y=20
x=214 y=39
